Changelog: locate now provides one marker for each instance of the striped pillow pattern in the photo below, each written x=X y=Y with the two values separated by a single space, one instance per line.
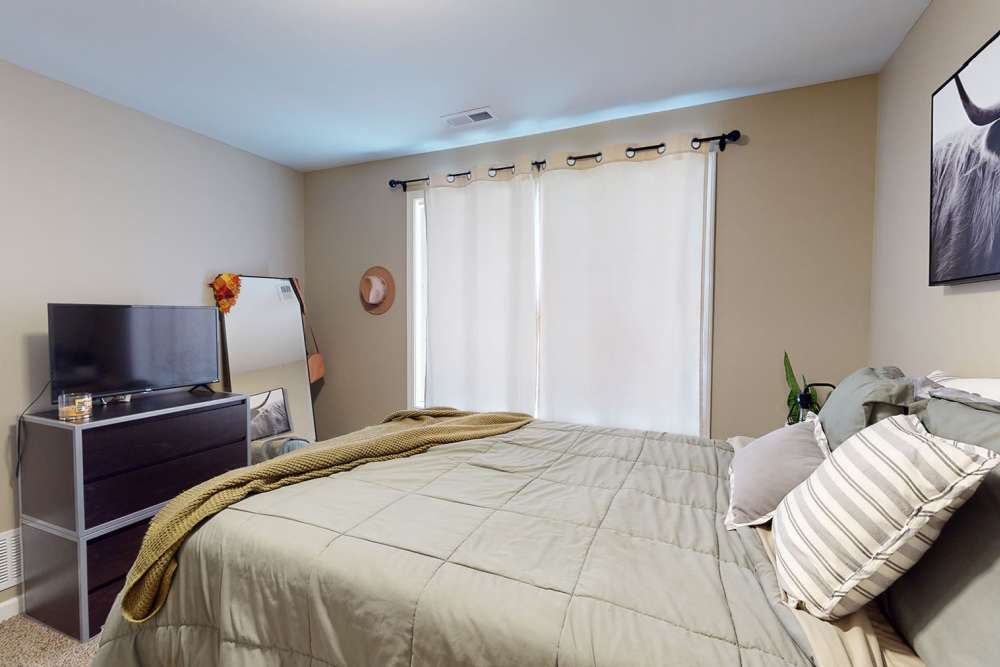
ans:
x=869 y=512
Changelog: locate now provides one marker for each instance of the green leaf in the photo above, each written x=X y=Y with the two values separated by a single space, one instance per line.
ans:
x=793 y=392
x=793 y=384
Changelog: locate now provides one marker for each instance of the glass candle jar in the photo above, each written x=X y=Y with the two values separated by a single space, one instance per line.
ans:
x=75 y=407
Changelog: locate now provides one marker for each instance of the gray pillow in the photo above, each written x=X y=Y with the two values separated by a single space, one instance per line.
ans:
x=945 y=606
x=868 y=392
x=766 y=470
x=972 y=400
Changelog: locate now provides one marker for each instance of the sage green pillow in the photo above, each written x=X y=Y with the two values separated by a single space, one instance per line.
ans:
x=945 y=606
x=867 y=392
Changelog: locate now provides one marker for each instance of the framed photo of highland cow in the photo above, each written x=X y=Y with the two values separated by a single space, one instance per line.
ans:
x=965 y=172
x=269 y=414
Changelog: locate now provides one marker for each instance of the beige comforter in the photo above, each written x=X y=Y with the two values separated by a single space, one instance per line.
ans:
x=401 y=434
x=552 y=544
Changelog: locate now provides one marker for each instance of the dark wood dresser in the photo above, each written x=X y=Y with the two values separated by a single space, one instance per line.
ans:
x=89 y=490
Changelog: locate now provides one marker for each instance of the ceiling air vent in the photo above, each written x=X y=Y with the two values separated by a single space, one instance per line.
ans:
x=468 y=117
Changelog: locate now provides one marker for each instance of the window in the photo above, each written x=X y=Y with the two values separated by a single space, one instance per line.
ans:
x=416 y=299
x=580 y=295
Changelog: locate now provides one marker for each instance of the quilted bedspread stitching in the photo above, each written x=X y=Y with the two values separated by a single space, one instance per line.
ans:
x=423 y=589
x=692 y=631
x=586 y=557
x=615 y=458
x=566 y=452
x=722 y=579
x=472 y=532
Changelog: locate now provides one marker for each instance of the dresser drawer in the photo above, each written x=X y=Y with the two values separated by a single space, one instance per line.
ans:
x=112 y=497
x=110 y=556
x=118 y=448
x=100 y=601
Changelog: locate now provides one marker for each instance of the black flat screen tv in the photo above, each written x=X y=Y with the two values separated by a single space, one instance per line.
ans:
x=111 y=350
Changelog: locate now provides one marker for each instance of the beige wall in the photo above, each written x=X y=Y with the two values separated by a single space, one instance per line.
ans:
x=103 y=204
x=917 y=327
x=793 y=253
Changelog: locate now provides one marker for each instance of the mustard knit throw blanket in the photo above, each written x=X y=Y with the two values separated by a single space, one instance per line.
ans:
x=401 y=434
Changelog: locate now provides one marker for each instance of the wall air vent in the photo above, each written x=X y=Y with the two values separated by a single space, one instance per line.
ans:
x=10 y=558
x=468 y=117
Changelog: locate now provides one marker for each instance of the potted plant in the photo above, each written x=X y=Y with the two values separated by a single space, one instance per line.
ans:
x=795 y=390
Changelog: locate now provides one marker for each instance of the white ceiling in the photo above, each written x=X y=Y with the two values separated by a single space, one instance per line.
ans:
x=317 y=83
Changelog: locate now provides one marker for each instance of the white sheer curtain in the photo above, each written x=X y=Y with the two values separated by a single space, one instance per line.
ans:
x=481 y=295
x=622 y=269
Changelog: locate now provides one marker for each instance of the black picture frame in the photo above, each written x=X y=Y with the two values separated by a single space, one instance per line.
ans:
x=277 y=394
x=958 y=280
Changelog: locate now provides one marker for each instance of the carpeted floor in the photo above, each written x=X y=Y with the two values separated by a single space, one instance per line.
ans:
x=24 y=643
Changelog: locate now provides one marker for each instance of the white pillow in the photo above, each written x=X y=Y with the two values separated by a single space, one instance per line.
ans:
x=869 y=512
x=985 y=387
x=767 y=469
x=738 y=442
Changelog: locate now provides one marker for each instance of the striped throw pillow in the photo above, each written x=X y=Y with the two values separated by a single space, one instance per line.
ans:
x=869 y=512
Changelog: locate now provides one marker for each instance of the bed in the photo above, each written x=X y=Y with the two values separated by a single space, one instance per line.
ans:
x=551 y=544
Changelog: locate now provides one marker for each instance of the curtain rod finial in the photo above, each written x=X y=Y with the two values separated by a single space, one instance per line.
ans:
x=724 y=139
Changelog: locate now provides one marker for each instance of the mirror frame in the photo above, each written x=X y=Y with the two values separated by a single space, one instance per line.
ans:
x=227 y=384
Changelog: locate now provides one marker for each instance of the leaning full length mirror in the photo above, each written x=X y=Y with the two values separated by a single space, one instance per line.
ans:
x=266 y=358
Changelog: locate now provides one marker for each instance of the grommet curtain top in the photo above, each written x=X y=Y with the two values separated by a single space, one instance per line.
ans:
x=633 y=152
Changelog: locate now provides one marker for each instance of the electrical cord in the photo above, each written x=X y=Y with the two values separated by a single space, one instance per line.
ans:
x=804 y=400
x=17 y=428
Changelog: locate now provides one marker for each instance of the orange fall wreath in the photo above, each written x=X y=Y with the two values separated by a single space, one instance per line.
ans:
x=227 y=289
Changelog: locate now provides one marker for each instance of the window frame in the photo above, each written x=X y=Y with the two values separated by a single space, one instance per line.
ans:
x=416 y=297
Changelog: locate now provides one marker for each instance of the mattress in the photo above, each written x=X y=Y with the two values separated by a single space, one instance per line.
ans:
x=555 y=543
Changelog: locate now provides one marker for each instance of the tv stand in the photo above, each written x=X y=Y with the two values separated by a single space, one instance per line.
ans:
x=88 y=491
x=194 y=389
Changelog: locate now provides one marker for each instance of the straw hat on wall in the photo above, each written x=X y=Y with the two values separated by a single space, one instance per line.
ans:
x=378 y=290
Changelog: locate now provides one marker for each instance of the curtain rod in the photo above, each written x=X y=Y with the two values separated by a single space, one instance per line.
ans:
x=396 y=183
x=630 y=152
x=723 y=139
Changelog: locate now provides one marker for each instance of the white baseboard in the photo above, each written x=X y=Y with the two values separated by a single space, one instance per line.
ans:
x=11 y=608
